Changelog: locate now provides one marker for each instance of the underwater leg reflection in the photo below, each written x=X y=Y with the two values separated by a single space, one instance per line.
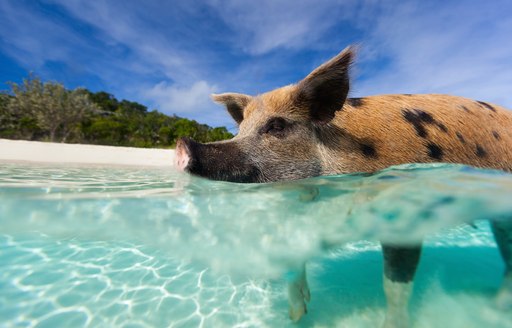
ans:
x=502 y=230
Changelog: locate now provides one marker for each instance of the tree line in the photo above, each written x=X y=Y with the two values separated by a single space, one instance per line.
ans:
x=47 y=111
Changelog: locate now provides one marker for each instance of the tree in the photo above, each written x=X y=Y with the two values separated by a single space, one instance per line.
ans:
x=16 y=125
x=35 y=110
x=7 y=122
x=105 y=131
x=57 y=111
x=220 y=133
x=131 y=108
x=104 y=100
x=4 y=101
x=185 y=128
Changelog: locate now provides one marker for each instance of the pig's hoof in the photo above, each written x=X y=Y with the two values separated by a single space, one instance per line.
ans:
x=298 y=295
x=296 y=311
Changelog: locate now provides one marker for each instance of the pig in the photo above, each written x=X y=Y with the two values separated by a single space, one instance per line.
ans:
x=311 y=128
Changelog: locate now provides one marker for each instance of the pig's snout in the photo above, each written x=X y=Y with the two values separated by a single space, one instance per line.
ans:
x=183 y=153
x=216 y=160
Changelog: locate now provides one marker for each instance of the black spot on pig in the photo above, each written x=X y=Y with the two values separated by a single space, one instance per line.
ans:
x=434 y=151
x=480 y=151
x=368 y=150
x=461 y=138
x=496 y=135
x=355 y=102
x=400 y=262
x=487 y=106
x=465 y=108
x=442 y=127
x=419 y=119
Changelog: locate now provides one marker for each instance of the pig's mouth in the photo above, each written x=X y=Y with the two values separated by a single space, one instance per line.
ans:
x=216 y=161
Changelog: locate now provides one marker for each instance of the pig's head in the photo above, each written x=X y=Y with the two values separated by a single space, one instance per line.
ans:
x=280 y=132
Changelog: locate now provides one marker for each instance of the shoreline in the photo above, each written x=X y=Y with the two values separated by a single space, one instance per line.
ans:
x=62 y=153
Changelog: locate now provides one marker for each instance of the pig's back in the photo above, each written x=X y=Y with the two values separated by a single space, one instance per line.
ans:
x=396 y=129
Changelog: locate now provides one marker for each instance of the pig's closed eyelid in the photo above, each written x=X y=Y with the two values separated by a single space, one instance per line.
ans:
x=274 y=125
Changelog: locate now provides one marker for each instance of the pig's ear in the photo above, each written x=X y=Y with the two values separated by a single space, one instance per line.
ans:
x=324 y=90
x=234 y=102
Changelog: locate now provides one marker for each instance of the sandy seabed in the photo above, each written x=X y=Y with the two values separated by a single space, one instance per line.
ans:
x=48 y=152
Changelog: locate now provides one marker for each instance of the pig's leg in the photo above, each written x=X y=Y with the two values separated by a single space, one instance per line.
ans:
x=503 y=235
x=298 y=294
x=400 y=264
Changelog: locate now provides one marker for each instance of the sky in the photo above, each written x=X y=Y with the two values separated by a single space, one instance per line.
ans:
x=171 y=55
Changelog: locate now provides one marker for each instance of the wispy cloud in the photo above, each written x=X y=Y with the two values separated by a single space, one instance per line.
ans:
x=33 y=40
x=266 y=25
x=171 y=55
x=454 y=48
x=182 y=100
x=125 y=25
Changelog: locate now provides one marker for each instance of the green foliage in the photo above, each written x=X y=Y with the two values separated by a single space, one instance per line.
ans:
x=105 y=131
x=16 y=124
x=217 y=134
x=47 y=111
x=57 y=112
x=132 y=108
x=4 y=100
x=105 y=101
x=185 y=128
x=7 y=125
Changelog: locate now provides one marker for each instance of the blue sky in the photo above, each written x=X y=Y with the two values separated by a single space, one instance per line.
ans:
x=170 y=55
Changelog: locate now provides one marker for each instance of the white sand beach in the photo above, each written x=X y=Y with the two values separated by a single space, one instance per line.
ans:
x=60 y=153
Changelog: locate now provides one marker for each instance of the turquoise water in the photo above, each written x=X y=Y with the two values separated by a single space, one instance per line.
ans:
x=125 y=247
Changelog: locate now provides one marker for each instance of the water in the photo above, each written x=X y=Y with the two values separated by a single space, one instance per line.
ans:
x=124 y=247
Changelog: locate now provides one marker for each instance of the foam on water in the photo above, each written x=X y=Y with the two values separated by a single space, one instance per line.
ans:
x=137 y=247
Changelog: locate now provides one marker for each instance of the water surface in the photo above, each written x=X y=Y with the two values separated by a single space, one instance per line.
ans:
x=97 y=246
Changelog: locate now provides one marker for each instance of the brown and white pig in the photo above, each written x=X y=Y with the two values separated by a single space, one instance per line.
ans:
x=311 y=128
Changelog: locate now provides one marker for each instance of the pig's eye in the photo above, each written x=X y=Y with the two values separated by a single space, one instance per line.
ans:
x=275 y=126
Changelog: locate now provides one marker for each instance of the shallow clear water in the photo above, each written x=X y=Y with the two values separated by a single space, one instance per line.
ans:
x=130 y=247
